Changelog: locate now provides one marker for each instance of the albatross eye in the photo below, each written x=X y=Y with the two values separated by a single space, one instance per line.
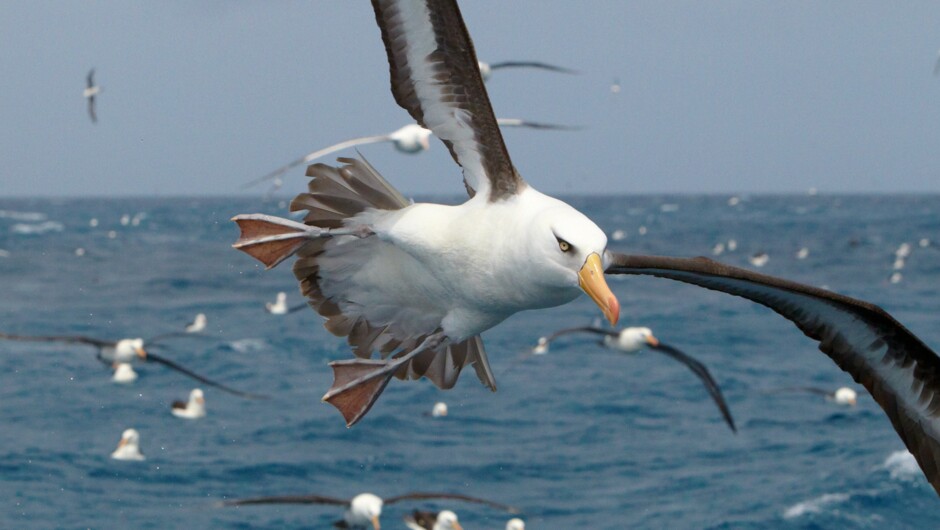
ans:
x=564 y=245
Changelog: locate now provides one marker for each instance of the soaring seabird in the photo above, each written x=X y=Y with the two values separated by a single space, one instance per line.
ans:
x=442 y=520
x=419 y=282
x=410 y=139
x=91 y=90
x=487 y=69
x=130 y=350
x=634 y=339
x=193 y=409
x=364 y=510
x=129 y=446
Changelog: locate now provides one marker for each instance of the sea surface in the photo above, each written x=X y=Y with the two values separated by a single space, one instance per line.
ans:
x=580 y=437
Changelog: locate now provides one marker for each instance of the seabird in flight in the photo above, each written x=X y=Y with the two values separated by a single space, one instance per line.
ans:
x=364 y=510
x=128 y=351
x=91 y=90
x=129 y=447
x=193 y=409
x=410 y=139
x=418 y=283
x=634 y=339
x=486 y=69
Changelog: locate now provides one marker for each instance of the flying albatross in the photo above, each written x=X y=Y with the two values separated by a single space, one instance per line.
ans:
x=129 y=350
x=418 y=283
x=633 y=339
x=487 y=69
x=410 y=139
x=91 y=90
x=364 y=510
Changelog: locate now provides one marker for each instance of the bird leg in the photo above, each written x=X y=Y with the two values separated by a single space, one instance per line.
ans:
x=271 y=239
x=357 y=383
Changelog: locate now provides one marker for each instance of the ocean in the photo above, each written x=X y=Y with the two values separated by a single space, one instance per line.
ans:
x=579 y=437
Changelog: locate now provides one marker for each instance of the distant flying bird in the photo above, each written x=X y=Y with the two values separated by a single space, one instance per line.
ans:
x=364 y=510
x=127 y=351
x=411 y=138
x=193 y=409
x=633 y=339
x=129 y=447
x=91 y=90
x=442 y=520
x=486 y=69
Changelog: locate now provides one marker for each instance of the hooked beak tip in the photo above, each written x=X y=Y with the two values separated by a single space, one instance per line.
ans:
x=652 y=341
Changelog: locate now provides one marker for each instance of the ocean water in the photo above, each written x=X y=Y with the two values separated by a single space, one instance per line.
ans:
x=580 y=437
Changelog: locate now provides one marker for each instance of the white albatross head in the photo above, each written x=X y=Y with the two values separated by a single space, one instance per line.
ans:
x=515 y=524
x=845 y=396
x=439 y=410
x=568 y=250
x=124 y=373
x=632 y=339
x=129 y=446
x=447 y=520
x=127 y=350
x=364 y=510
x=411 y=138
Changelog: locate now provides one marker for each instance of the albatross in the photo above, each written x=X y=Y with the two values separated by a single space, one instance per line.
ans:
x=129 y=447
x=193 y=409
x=487 y=69
x=364 y=510
x=91 y=90
x=442 y=520
x=418 y=283
x=126 y=351
x=410 y=139
x=633 y=339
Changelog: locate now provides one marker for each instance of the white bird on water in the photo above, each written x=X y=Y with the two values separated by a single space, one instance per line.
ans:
x=198 y=324
x=280 y=307
x=193 y=409
x=439 y=410
x=442 y=520
x=418 y=283
x=124 y=373
x=515 y=524
x=129 y=447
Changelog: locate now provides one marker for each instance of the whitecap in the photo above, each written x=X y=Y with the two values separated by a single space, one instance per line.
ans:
x=37 y=228
x=247 y=345
x=669 y=207
x=32 y=217
x=901 y=465
x=814 y=505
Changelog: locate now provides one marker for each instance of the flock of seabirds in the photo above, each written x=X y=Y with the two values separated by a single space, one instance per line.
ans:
x=413 y=285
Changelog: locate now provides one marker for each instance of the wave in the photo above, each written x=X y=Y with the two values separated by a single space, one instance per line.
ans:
x=901 y=465
x=38 y=228
x=815 y=505
x=22 y=216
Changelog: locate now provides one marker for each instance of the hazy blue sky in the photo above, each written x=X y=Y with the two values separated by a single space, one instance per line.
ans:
x=747 y=96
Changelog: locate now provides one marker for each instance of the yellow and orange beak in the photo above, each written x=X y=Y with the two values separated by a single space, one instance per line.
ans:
x=591 y=280
x=652 y=341
x=122 y=443
x=141 y=353
x=375 y=522
x=457 y=526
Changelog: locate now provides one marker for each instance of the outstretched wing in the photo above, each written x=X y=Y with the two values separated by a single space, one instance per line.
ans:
x=306 y=159
x=901 y=372
x=436 y=78
x=532 y=64
x=516 y=122
x=419 y=495
x=90 y=79
x=189 y=373
x=582 y=329
x=702 y=372
x=72 y=339
x=288 y=499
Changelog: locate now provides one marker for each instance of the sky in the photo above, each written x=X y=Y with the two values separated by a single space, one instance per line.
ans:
x=200 y=97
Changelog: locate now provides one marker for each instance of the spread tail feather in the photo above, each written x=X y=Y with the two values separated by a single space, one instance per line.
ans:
x=271 y=239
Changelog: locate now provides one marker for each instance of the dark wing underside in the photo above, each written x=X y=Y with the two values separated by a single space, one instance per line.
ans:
x=289 y=499
x=901 y=372
x=436 y=78
x=425 y=520
x=76 y=339
x=585 y=329
x=450 y=496
x=701 y=371
x=189 y=373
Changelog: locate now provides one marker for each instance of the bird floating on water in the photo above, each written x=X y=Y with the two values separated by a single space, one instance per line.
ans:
x=90 y=92
x=410 y=139
x=439 y=410
x=193 y=409
x=128 y=351
x=365 y=509
x=198 y=324
x=759 y=260
x=129 y=447
x=515 y=524
x=280 y=307
x=634 y=339
x=842 y=395
x=442 y=520
x=123 y=373
x=418 y=283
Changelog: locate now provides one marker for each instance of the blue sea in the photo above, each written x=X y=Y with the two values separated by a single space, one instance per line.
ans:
x=578 y=438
